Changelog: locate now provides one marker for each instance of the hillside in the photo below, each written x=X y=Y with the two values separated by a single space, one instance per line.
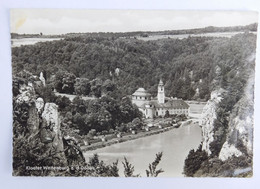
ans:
x=184 y=65
x=217 y=70
x=209 y=29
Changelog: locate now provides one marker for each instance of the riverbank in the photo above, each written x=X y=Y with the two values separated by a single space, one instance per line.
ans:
x=125 y=138
x=17 y=42
x=174 y=143
x=141 y=134
x=195 y=112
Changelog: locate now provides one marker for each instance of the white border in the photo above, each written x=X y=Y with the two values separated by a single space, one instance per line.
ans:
x=7 y=181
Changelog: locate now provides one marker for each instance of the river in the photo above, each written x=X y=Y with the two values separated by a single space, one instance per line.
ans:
x=183 y=36
x=175 y=145
x=30 y=41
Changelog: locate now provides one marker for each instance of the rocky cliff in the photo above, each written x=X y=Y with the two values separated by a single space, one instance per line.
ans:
x=51 y=133
x=207 y=119
x=229 y=143
x=239 y=139
x=38 y=140
x=37 y=135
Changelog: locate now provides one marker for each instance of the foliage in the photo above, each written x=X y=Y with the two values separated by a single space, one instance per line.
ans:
x=184 y=65
x=29 y=151
x=214 y=167
x=128 y=169
x=82 y=86
x=85 y=65
x=194 y=160
x=46 y=93
x=64 y=82
x=101 y=114
x=153 y=172
x=167 y=114
x=137 y=123
x=17 y=83
x=101 y=169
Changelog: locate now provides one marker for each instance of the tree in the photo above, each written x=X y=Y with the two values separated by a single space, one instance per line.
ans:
x=96 y=90
x=79 y=122
x=63 y=102
x=167 y=114
x=101 y=169
x=82 y=86
x=153 y=172
x=129 y=169
x=137 y=123
x=64 y=82
x=108 y=86
x=79 y=105
x=194 y=160
x=128 y=111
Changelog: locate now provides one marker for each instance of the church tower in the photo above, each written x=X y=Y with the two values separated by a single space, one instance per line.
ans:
x=161 y=95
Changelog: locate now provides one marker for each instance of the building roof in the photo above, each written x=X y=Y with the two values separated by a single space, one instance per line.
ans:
x=176 y=103
x=141 y=92
x=170 y=104
x=160 y=82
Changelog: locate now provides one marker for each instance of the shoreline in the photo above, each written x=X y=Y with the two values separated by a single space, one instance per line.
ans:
x=131 y=137
x=125 y=139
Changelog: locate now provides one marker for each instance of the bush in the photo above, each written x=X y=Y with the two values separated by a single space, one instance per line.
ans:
x=92 y=132
x=194 y=161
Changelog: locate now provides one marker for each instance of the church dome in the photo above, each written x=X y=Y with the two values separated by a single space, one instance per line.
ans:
x=141 y=92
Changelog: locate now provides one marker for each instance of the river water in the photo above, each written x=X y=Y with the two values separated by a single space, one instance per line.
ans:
x=175 y=145
x=30 y=41
x=183 y=36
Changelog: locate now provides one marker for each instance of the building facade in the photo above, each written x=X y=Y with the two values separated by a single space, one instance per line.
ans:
x=160 y=105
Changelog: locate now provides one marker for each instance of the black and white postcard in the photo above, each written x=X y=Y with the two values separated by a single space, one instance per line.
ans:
x=133 y=93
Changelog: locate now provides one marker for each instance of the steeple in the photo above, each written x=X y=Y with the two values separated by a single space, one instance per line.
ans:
x=161 y=95
x=160 y=82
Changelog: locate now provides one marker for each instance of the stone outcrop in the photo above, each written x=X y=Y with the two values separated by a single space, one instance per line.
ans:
x=33 y=121
x=26 y=98
x=51 y=126
x=42 y=79
x=26 y=95
x=42 y=120
x=39 y=104
x=239 y=139
x=240 y=132
x=207 y=119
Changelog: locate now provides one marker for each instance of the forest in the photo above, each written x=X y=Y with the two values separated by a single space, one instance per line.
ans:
x=184 y=65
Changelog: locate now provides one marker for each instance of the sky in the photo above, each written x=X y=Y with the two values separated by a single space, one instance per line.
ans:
x=61 y=21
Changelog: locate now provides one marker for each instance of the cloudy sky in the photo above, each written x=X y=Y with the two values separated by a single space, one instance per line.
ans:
x=61 y=21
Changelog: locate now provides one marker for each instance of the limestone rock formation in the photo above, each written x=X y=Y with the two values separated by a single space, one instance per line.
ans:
x=240 y=132
x=207 y=119
x=51 y=124
x=33 y=121
x=39 y=104
x=42 y=79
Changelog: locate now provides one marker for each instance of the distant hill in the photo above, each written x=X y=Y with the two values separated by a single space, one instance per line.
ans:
x=186 y=65
x=209 y=29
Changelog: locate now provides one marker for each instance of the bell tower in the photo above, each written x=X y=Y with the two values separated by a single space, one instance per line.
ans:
x=161 y=95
